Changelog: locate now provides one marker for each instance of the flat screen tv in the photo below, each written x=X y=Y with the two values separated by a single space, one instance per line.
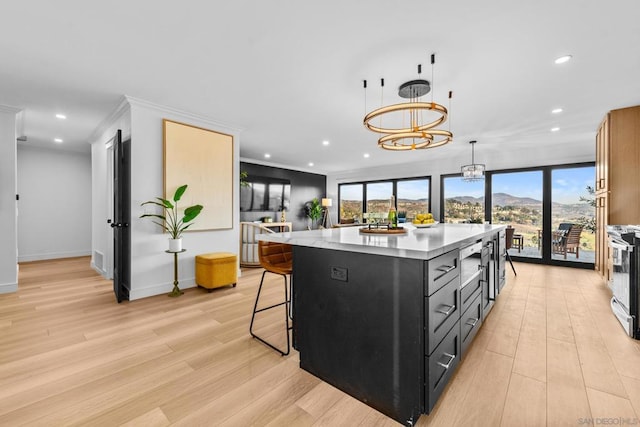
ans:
x=264 y=194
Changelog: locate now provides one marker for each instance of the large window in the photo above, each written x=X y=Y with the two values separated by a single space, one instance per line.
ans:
x=351 y=206
x=378 y=195
x=463 y=201
x=573 y=213
x=363 y=200
x=516 y=200
x=412 y=197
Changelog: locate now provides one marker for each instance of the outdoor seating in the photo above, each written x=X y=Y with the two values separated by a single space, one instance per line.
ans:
x=566 y=239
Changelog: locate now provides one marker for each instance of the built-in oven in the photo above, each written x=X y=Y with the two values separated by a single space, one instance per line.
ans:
x=470 y=273
x=624 y=278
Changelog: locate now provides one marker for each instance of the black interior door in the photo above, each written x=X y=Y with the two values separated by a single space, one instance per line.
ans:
x=121 y=216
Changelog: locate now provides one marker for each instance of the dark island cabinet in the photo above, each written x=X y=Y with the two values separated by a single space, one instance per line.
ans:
x=389 y=331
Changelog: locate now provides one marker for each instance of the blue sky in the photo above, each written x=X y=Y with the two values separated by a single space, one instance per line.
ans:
x=570 y=184
x=567 y=185
x=410 y=189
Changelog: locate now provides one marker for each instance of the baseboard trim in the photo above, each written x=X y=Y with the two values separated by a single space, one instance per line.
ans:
x=53 y=255
x=159 y=289
x=99 y=271
x=7 y=288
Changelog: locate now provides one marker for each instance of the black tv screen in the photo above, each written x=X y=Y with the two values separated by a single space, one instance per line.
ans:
x=265 y=194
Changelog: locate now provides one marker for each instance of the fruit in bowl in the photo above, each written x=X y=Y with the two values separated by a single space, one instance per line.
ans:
x=423 y=219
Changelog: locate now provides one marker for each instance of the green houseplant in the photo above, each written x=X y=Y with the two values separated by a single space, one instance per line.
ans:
x=314 y=211
x=171 y=222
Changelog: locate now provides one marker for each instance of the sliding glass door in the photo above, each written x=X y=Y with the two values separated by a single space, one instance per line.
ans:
x=551 y=210
x=573 y=213
x=516 y=200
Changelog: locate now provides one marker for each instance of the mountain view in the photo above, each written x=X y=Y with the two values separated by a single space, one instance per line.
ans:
x=523 y=213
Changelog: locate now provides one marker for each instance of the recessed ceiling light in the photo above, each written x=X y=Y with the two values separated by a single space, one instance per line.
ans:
x=61 y=116
x=58 y=140
x=556 y=110
x=365 y=155
x=267 y=156
x=310 y=163
x=555 y=129
x=325 y=142
x=563 y=59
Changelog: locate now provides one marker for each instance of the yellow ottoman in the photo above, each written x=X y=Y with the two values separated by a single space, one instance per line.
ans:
x=216 y=269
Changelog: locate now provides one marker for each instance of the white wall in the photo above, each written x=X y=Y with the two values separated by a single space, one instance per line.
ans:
x=101 y=189
x=505 y=159
x=151 y=267
x=8 y=191
x=55 y=204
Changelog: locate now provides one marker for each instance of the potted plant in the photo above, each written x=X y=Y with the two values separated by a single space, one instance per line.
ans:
x=171 y=221
x=313 y=211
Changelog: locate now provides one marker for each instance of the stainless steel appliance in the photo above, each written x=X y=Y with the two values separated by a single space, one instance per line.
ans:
x=470 y=263
x=624 y=244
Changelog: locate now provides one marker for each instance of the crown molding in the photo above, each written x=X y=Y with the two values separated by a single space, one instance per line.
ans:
x=186 y=114
x=9 y=109
x=122 y=108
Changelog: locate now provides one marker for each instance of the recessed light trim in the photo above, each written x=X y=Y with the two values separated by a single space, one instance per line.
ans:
x=555 y=129
x=366 y=155
x=557 y=110
x=58 y=140
x=325 y=142
x=267 y=155
x=311 y=164
x=61 y=116
x=563 y=59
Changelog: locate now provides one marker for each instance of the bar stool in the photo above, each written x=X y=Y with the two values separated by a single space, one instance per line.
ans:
x=274 y=258
x=508 y=243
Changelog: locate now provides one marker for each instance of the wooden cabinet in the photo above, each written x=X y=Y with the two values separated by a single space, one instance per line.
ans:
x=617 y=177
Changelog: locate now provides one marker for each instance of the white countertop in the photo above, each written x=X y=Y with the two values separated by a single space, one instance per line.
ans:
x=419 y=243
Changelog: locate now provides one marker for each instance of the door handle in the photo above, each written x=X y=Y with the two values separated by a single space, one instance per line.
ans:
x=450 y=308
x=452 y=357
x=472 y=323
x=446 y=268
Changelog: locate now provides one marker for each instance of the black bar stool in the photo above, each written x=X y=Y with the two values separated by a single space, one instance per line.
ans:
x=275 y=258
x=508 y=243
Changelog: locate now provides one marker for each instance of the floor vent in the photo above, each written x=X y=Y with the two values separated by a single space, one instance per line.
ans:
x=98 y=260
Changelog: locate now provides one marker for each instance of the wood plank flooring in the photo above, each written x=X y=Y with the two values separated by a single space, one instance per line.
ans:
x=550 y=353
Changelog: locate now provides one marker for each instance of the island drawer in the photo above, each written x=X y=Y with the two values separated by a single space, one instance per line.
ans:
x=470 y=322
x=442 y=312
x=440 y=366
x=441 y=270
x=469 y=292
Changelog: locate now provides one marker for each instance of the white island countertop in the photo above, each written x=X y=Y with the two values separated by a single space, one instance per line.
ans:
x=418 y=243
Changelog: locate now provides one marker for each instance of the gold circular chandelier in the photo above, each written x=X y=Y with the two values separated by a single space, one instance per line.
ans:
x=419 y=132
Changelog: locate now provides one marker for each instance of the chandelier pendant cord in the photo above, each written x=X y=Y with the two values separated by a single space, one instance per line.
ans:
x=433 y=61
x=381 y=99
x=365 y=96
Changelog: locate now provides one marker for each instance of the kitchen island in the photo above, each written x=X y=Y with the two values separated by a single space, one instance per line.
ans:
x=386 y=318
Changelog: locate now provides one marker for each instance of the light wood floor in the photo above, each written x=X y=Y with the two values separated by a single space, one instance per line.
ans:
x=550 y=353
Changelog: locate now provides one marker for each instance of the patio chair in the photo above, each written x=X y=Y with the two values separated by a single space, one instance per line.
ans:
x=566 y=239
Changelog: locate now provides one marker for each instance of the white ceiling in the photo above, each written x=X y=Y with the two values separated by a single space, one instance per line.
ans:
x=289 y=73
